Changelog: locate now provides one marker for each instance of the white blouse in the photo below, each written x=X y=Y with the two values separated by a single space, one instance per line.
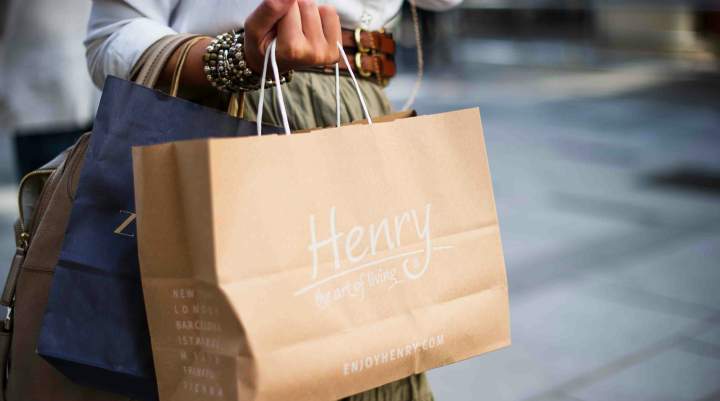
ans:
x=119 y=31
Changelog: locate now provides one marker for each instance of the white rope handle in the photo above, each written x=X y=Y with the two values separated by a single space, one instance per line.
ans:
x=270 y=55
x=261 y=100
x=278 y=90
x=337 y=92
x=355 y=82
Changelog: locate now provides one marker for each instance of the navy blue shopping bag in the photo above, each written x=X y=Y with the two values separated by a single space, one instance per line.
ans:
x=94 y=329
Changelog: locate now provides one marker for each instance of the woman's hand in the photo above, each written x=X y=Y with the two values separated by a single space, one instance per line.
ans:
x=306 y=34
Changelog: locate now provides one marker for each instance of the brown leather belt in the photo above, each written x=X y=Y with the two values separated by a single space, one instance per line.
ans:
x=371 y=55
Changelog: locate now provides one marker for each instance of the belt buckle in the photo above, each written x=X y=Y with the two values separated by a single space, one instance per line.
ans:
x=358 y=64
x=367 y=74
x=358 y=41
x=362 y=50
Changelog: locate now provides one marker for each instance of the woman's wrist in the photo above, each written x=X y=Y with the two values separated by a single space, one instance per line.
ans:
x=193 y=83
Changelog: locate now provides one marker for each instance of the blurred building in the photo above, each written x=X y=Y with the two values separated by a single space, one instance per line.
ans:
x=569 y=32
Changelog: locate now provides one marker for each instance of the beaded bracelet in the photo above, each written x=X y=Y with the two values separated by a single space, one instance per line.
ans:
x=225 y=66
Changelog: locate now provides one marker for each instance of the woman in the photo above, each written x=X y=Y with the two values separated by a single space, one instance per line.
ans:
x=120 y=31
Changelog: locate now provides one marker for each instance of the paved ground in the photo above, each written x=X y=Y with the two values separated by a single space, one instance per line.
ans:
x=612 y=242
x=606 y=181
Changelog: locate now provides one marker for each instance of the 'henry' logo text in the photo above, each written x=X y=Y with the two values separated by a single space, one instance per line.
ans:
x=375 y=250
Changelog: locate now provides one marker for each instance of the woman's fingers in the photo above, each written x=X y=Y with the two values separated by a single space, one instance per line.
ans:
x=263 y=19
x=289 y=28
x=260 y=27
x=306 y=34
x=331 y=30
x=291 y=43
x=311 y=25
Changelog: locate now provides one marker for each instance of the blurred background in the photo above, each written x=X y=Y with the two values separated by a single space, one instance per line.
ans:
x=602 y=123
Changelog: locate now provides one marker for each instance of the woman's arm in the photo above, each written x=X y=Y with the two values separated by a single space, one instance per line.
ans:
x=119 y=32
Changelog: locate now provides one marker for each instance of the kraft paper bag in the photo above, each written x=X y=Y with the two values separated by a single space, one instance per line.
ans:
x=316 y=266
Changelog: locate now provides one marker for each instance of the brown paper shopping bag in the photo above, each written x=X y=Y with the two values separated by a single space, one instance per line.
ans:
x=315 y=266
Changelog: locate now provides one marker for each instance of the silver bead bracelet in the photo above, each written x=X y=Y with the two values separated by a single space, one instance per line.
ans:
x=225 y=67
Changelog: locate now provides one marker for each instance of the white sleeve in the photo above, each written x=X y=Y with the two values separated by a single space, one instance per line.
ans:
x=119 y=31
x=437 y=5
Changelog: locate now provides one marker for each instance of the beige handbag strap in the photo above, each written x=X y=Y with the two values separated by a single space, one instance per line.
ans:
x=182 y=58
x=150 y=65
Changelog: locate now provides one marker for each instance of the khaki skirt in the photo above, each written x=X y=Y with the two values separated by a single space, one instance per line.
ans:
x=310 y=101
